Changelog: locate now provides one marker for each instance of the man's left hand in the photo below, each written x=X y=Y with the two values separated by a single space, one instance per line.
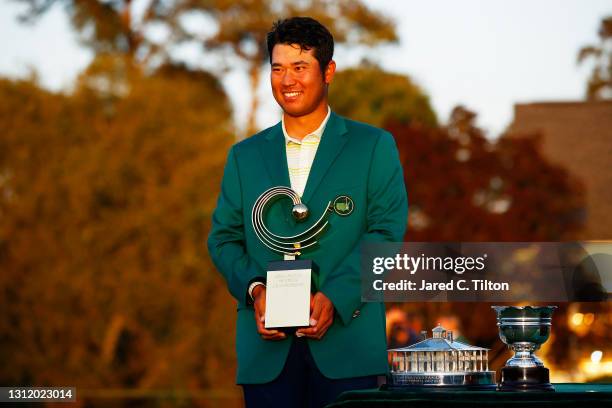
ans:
x=321 y=317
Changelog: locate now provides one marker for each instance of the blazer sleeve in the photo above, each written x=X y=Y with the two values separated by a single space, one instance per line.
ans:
x=226 y=241
x=387 y=212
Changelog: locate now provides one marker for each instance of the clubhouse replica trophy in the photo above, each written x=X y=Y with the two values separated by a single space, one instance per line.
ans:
x=288 y=282
x=524 y=329
x=440 y=363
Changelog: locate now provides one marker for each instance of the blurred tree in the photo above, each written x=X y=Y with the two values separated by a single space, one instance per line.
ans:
x=105 y=203
x=371 y=95
x=103 y=26
x=462 y=187
x=242 y=28
x=232 y=28
x=600 y=82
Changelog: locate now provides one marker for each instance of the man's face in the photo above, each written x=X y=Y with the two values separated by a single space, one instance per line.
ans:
x=298 y=85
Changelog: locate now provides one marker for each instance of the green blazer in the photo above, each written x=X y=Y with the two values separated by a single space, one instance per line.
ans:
x=352 y=159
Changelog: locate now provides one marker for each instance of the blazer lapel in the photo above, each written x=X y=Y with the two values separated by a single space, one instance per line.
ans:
x=333 y=140
x=274 y=156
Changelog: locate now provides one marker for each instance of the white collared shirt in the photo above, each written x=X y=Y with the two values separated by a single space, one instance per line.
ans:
x=301 y=154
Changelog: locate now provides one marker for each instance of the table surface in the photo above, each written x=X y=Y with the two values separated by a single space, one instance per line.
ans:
x=565 y=395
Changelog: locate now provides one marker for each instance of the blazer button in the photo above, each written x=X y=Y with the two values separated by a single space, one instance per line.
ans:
x=356 y=313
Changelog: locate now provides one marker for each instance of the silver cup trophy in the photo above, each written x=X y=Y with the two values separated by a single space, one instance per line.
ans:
x=524 y=329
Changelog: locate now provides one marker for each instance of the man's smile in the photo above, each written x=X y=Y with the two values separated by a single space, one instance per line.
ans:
x=292 y=95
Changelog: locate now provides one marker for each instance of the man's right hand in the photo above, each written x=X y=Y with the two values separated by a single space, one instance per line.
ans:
x=259 y=299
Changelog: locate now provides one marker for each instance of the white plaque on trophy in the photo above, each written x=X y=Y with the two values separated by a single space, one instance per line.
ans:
x=288 y=294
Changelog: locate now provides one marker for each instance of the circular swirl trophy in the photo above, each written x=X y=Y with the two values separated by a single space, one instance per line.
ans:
x=288 y=282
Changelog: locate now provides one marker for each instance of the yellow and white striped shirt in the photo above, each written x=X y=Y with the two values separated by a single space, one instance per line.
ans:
x=301 y=154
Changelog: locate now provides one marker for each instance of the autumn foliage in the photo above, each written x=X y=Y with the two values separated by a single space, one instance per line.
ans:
x=105 y=202
x=464 y=187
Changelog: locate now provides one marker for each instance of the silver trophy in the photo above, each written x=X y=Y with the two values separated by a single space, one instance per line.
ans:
x=524 y=329
x=440 y=362
x=289 y=282
x=289 y=246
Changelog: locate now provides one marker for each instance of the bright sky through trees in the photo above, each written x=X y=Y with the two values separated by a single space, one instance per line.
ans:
x=487 y=55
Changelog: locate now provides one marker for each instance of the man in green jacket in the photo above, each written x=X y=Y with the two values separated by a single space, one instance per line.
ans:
x=323 y=157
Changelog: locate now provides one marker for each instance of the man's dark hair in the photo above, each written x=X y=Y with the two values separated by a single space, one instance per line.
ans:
x=308 y=33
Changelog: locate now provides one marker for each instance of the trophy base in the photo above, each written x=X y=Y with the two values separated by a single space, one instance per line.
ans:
x=525 y=379
x=441 y=381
